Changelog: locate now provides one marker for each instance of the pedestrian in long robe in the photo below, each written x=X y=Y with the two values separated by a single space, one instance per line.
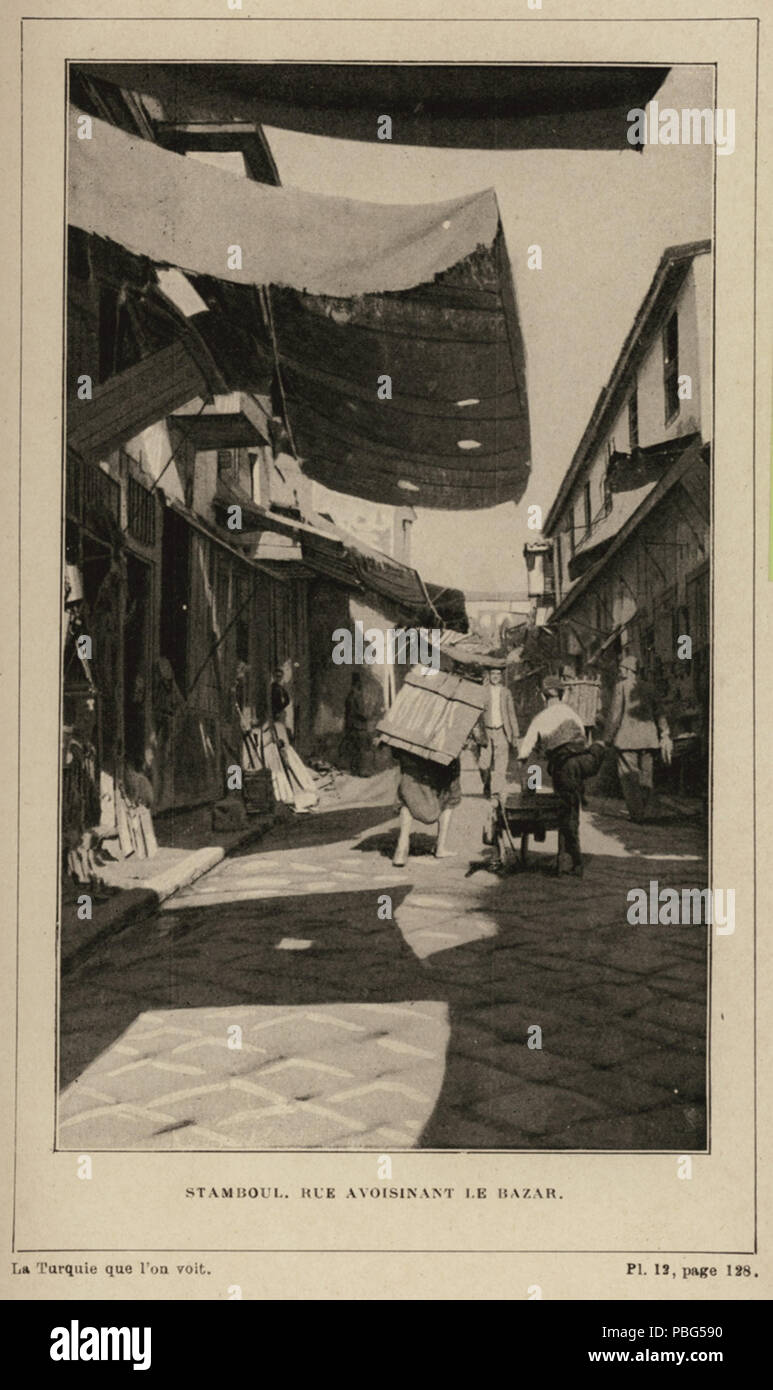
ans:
x=356 y=740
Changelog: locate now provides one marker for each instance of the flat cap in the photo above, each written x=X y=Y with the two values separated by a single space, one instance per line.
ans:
x=552 y=685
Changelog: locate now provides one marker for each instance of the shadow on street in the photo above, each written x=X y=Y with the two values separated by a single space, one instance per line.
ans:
x=621 y=1009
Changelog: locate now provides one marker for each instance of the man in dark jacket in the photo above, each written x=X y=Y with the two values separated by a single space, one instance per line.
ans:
x=499 y=733
x=279 y=696
x=637 y=729
x=281 y=707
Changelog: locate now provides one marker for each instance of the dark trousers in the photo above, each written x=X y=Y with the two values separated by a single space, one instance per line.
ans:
x=635 y=770
x=569 y=770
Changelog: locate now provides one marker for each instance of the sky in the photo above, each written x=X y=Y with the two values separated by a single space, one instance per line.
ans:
x=602 y=219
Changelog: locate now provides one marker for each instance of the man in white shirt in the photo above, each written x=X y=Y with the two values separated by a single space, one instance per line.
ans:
x=558 y=732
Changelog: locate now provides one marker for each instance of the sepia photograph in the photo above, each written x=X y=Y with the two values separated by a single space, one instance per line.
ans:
x=387 y=667
x=386 y=611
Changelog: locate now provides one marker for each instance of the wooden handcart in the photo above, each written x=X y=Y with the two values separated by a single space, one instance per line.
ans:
x=524 y=814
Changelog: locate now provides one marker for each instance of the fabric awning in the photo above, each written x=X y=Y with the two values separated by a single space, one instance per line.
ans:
x=346 y=560
x=469 y=106
x=330 y=296
x=181 y=212
x=468 y=649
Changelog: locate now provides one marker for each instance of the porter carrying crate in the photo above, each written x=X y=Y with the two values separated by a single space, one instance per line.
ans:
x=433 y=714
x=584 y=697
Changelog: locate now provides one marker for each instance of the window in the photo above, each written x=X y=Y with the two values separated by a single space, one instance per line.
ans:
x=73 y=486
x=221 y=595
x=117 y=349
x=699 y=606
x=587 y=508
x=406 y=545
x=648 y=651
x=242 y=606
x=141 y=510
x=100 y=490
x=671 y=367
x=633 y=418
x=680 y=626
x=227 y=466
x=665 y=623
x=559 y=575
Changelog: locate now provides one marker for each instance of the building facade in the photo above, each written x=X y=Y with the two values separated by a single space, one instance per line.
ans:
x=630 y=525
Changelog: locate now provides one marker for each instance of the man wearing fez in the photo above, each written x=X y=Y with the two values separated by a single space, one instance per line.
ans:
x=560 y=735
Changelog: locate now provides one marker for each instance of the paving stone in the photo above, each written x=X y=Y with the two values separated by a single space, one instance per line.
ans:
x=663 y=1128
x=677 y=1014
x=391 y=1103
x=536 y=1109
x=603 y=1045
x=677 y=1072
x=618 y=1089
x=456 y=1129
x=622 y=998
x=110 y=1127
x=295 y=1127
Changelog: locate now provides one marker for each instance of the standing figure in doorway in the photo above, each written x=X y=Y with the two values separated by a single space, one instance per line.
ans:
x=354 y=743
x=279 y=702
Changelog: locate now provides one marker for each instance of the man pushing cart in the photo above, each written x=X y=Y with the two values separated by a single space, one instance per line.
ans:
x=559 y=734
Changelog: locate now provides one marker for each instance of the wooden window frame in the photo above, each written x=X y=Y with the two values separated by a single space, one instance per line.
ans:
x=633 y=417
x=671 y=368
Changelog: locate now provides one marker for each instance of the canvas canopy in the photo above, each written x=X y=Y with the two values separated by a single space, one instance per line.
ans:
x=348 y=561
x=327 y=296
x=471 y=106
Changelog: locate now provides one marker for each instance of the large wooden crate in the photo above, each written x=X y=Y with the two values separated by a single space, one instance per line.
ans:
x=584 y=697
x=433 y=714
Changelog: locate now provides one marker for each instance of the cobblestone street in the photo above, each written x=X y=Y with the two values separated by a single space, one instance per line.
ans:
x=269 y=1005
